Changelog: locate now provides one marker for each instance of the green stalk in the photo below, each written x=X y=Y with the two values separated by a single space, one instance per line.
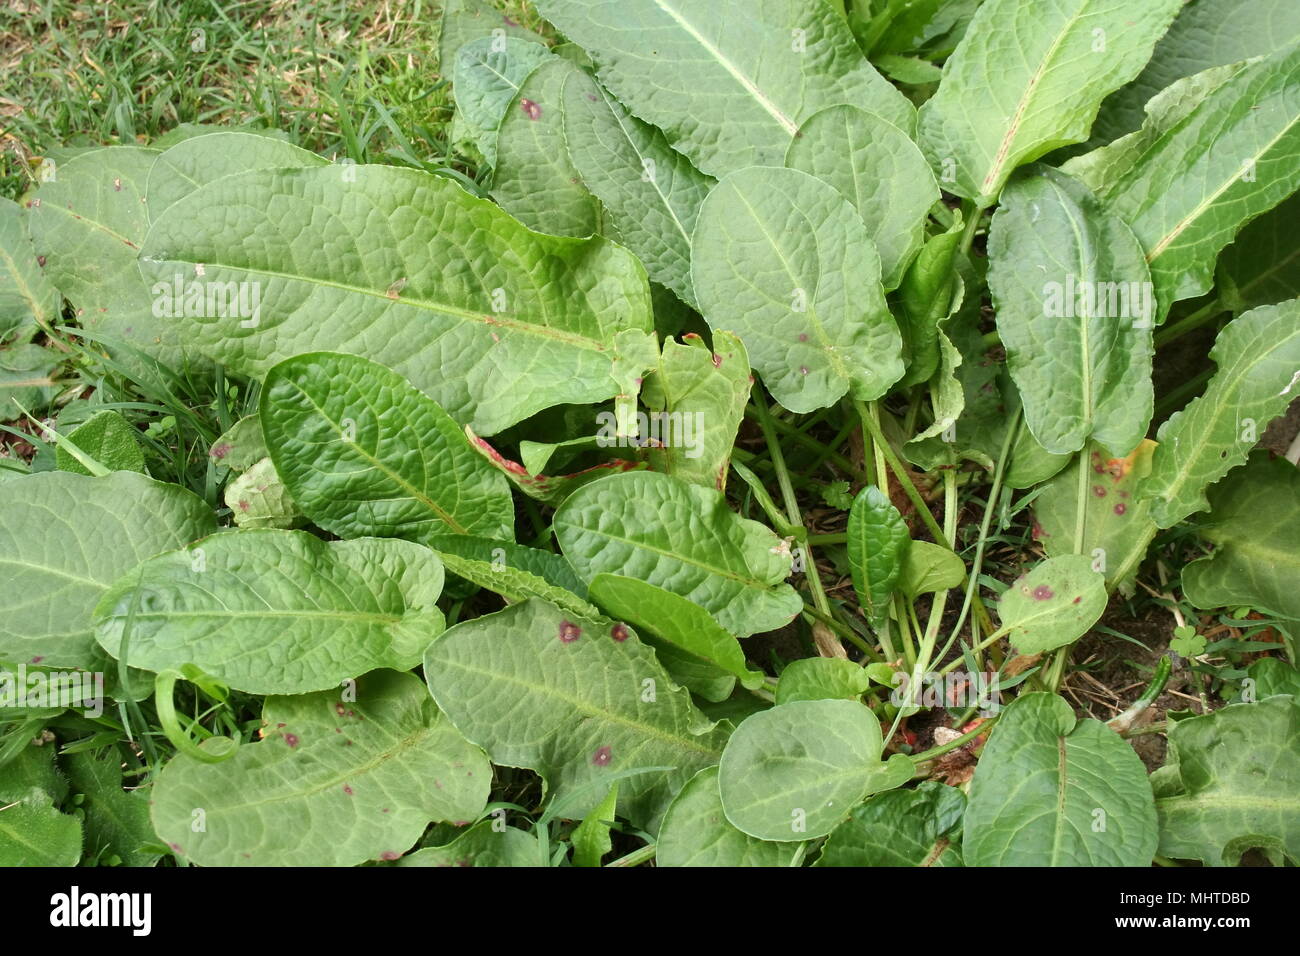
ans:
x=899 y=470
x=789 y=431
x=1190 y=323
x=972 y=579
x=791 y=506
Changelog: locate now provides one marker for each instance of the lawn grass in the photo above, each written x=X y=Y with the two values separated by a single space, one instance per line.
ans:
x=342 y=78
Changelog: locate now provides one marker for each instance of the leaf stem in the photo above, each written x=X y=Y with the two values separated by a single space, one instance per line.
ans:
x=791 y=505
x=1190 y=323
x=896 y=466
x=636 y=857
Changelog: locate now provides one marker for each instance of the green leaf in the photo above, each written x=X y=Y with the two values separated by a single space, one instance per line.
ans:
x=822 y=678
x=782 y=260
x=701 y=397
x=363 y=452
x=33 y=832
x=794 y=772
x=1262 y=266
x=876 y=167
x=554 y=489
x=116 y=821
x=729 y=86
x=277 y=612
x=1254 y=524
x=877 y=545
x=493 y=321
x=1028 y=78
x=241 y=446
x=1116 y=521
x=1188 y=194
x=550 y=567
x=1075 y=312
x=1273 y=676
x=89 y=225
x=591 y=837
x=1050 y=790
x=1053 y=605
x=513 y=571
x=651 y=192
x=27 y=379
x=927 y=567
x=1236 y=785
x=335 y=782
x=1205 y=34
x=465 y=20
x=696 y=832
x=1186 y=642
x=535 y=180
x=486 y=77
x=1031 y=464
x=1101 y=168
x=64 y=539
x=28 y=300
x=900 y=828
x=685 y=539
x=664 y=616
x=106 y=437
x=199 y=160
x=583 y=706
x=911 y=70
x=259 y=499
x=481 y=845
x=1258 y=355
x=928 y=296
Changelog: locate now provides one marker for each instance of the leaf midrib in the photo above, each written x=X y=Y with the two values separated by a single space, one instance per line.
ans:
x=583 y=708
x=748 y=85
x=383 y=469
x=441 y=308
x=1031 y=87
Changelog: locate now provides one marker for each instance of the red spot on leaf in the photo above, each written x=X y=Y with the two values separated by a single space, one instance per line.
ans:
x=1077 y=600
x=1042 y=592
x=1099 y=491
x=347 y=790
x=532 y=110
x=40 y=261
x=389 y=855
x=601 y=757
x=1121 y=508
x=717 y=360
x=291 y=739
x=618 y=632
x=569 y=632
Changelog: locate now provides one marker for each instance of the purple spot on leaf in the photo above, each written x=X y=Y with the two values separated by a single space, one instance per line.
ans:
x=569 y=632
x=291 y=739
x=1042 y=592
x=618 y=632
x=601 y=757
x=532 y=110
x=1121 y=508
